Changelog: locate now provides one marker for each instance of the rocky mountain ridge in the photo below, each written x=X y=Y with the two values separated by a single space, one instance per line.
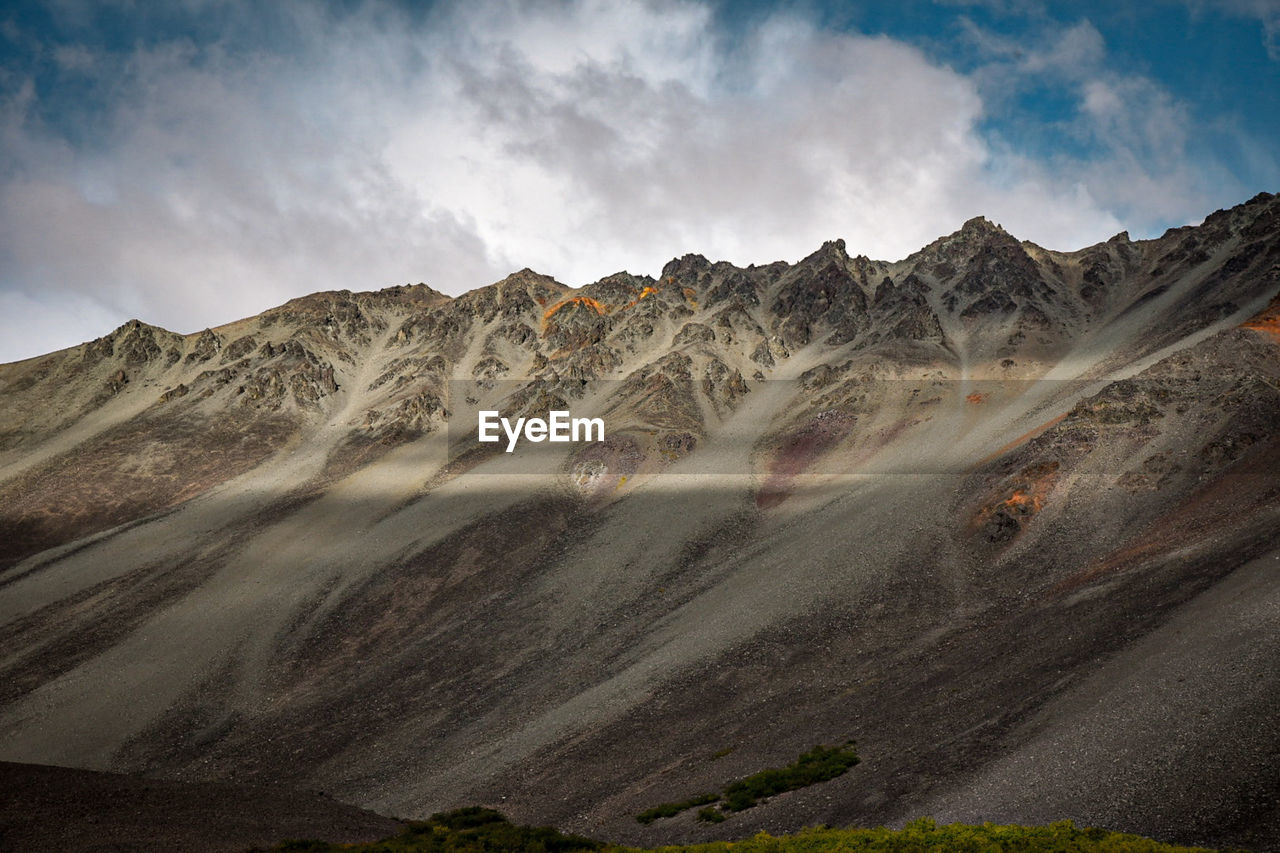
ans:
x=829 y=491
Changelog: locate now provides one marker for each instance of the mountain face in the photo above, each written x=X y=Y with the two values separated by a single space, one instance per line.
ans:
x=1008 y=517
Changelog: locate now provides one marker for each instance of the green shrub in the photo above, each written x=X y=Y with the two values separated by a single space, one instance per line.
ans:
x=672 y=809
x=469 y=830
x=711 y=814
x=485 y=831
x=468 y=818
x=820 y=764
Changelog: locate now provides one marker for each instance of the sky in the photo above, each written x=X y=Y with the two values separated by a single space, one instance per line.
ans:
x=191 y=162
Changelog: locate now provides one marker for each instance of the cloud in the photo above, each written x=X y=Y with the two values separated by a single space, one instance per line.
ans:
x=577 y=138
x=218 y=187
x=1124 y=139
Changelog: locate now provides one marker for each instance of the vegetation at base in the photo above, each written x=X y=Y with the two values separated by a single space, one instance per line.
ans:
x=673 y=809
x=820 y=764
x=469 y=830
x=925 y=836
x=477 y=830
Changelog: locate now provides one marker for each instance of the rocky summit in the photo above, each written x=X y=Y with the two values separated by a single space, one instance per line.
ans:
x=1008 y=517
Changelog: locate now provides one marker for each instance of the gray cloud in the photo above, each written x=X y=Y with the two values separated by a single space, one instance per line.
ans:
x=578 y=138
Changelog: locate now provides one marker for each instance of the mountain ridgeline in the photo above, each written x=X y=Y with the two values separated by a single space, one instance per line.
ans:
x=1009 y=517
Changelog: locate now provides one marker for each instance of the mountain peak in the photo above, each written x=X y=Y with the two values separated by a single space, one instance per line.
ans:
x=684 y=266
x=135 y=325
x=829 y=250
x=528 y=276
x=981 y=225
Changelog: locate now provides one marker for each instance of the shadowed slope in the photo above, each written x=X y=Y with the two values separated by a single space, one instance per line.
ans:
x=60 y=809
x=922 y=504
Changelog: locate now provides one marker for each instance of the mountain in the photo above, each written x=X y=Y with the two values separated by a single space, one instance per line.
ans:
x=1009 y=517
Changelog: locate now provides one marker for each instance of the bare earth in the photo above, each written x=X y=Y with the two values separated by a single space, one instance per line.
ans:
x=1009 y=517
x=60 y=809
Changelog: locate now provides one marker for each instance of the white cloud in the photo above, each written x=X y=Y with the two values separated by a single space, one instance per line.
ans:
x=578 y=138
x=1133 y=132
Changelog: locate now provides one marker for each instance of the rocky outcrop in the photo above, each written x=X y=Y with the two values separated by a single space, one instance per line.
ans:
x=821 y=291
x=207 y=345
x=133 y=344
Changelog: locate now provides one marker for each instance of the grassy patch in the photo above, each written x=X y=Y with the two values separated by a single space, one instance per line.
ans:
x=673 y=809
x=925 y=836
x=711 y=814
x=469 y=830
x=477 y=830
x=820 y=764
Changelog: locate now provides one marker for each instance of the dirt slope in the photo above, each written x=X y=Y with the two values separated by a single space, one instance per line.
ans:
x=65 y=810
x=956 y=507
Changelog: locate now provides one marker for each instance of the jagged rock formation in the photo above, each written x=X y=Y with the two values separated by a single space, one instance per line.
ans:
x=998 y=512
